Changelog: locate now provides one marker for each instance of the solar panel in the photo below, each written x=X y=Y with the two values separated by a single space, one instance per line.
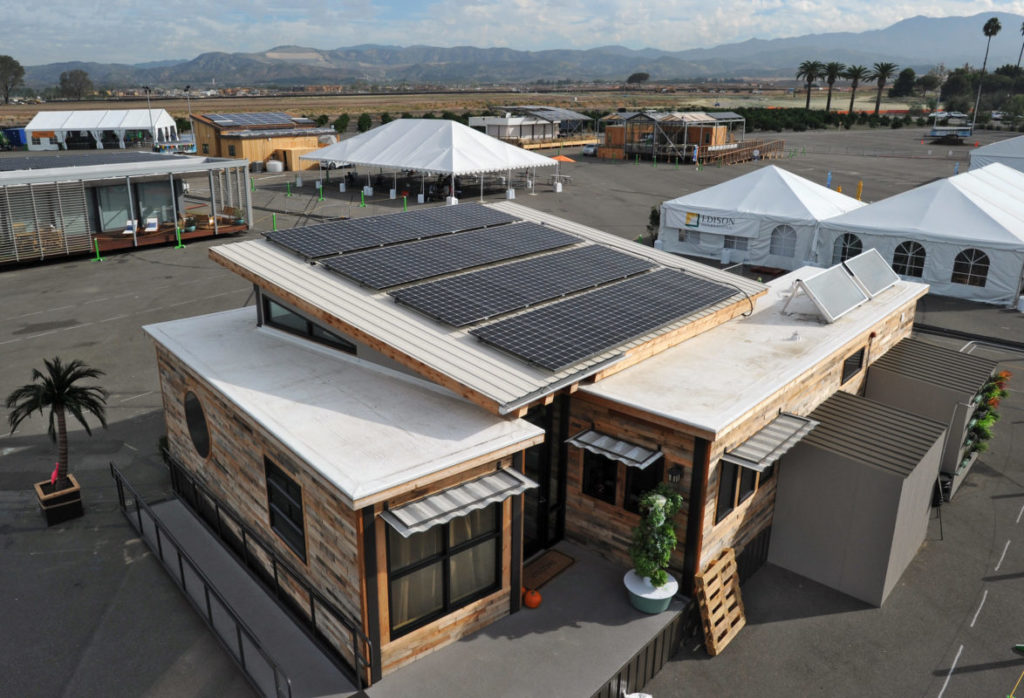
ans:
x=423 y=259
x=872 y=272
x=468 y=298
x=833 y=292
x=566 y=332
x=337 y=237
x=264 y=118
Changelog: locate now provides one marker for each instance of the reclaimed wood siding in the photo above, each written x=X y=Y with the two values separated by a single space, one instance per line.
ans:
x=607 y=528
x=235 y=472
x=800 y=397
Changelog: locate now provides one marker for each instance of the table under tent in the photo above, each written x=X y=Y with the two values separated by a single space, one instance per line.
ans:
x=434 y=152
x=767 y=218
x=963 y=235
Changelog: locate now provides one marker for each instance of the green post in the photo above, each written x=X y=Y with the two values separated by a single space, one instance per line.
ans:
x=362 y=199
x=321 y=188
x=405 y=203
x=654 y=161
x=289 y=188
x=803 y=151
x=638 y=158
x=677 y=162
x=252 y=181
x=97 y=244
x=273 y=217
x=177 y=234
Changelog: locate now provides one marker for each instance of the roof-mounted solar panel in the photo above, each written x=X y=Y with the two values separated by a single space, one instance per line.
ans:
x=833 y=292
x=871 y=272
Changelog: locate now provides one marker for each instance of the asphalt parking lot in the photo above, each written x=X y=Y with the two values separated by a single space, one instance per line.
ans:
x=88 y=611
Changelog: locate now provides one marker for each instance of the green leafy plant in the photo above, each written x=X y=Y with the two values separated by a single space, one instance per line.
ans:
x=654 y=538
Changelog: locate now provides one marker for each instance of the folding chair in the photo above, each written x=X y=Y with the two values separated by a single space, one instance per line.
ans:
x=152 y=224
x=129 y=227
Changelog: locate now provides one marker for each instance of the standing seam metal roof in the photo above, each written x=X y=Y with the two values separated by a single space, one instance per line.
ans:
x=937 y=365
x=872 y=433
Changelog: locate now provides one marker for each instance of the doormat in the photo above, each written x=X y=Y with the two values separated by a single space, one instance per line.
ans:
x=544 y=568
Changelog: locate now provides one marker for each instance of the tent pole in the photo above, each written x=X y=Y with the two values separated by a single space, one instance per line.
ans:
x=452 y=187
x=1015 y=301
x=481 y=187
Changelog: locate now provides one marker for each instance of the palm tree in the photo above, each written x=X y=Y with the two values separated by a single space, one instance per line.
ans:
x=855 y=74
x=57 y=391
x=809 y=71
x=833 y=71
x=991 y=28
x=1021 y=54
x=879 y=74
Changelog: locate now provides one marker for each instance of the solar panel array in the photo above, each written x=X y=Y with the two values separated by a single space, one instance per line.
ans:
x=423 y=259
x=259 y=118
x=475 y=296
x=871 y=271
x=566 y=332
x=833 y=292
x=338 y=237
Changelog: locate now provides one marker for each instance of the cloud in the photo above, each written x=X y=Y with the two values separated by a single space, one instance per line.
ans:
x=126 y=31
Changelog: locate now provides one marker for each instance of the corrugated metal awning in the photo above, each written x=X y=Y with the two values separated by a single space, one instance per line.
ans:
x=770 y=443
x=622 y=451
x=457 y=501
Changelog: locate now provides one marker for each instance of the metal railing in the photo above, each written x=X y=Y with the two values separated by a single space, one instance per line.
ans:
x=229 y=629
x=316 y=614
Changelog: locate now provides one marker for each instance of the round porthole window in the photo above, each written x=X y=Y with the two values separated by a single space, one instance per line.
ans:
x=196 y=422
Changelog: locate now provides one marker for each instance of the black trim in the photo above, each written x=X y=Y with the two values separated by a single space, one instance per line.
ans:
x=310 y=331
x=695 y=513
x=284 y=507
x=516 y=573
x=259 y=304
x=852 y=365
x=563 y=459
x=372 y=591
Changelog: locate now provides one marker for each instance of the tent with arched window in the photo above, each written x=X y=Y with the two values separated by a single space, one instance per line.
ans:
x=765 y=218
x=963 y=235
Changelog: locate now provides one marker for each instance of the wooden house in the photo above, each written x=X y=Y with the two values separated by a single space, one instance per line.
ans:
x=259 y=136
x=407 y=423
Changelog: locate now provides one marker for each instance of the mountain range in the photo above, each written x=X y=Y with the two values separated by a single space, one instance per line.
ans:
x=918 y=42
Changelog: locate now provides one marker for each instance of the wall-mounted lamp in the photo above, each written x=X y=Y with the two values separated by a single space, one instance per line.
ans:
x=675 y=477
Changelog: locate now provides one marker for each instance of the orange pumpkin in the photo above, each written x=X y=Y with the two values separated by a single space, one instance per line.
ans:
x=532 y=598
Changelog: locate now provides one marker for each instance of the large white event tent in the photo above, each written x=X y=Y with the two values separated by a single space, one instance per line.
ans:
x=963 y=235
x=766 y=217
x=49 y=130
x=1009 y=152
x=431 y=146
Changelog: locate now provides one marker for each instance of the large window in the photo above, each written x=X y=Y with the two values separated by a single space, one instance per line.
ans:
x=736 y=485
x=114 y=207
x=640 y=482
x=783 y=243
x=277 y=315
x=908 y=259
x=444 y=568
x=284 y=501
x=600 y=475
x=846 y=245
x=970 y=267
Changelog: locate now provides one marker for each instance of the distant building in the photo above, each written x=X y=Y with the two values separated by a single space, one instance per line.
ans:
x=259 y=136
x=99 y=129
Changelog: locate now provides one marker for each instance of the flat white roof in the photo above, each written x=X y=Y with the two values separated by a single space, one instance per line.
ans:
x=710 y=381
x=365 y=428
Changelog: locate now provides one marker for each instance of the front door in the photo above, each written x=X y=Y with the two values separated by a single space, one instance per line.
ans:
x=544 y=506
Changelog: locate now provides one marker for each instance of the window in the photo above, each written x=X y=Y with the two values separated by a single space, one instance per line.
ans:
x=231 y=151
x=599 y=476
x=908 y=259
x=783 y=242
x=748 y=483
x=36 y=140
x=282 y=318
x=206 y=148
x=736 y=485
x=640 y=482
x=195 y=420
x=444 y=568
x=853 y=364
x=847 y=245
x=284 y=501
x=733 y=242
x=970 y=267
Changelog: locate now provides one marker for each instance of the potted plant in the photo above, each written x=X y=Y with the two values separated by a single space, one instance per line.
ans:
x=58 y=390
x=650 y=586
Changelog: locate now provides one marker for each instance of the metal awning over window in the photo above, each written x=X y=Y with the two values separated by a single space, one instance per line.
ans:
x=457 y=501
x=622 y=451
x=768 y=445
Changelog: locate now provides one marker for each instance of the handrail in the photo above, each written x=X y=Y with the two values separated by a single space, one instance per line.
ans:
x=208 y=587
x=357 y=638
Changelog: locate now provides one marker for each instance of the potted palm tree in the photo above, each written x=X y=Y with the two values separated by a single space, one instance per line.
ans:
x=649 y=584
x=58 y=390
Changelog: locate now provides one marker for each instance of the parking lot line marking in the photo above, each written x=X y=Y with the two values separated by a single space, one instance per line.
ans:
x=983 y=597
x=1000 y=563
x=1020 y=513
x=136 y=397
x=952 y=668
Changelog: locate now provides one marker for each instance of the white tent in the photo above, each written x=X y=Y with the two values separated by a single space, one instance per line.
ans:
x=49 y=130
x=766 y=217
x=436 y=146
x=963 y=235
x=1009 y=152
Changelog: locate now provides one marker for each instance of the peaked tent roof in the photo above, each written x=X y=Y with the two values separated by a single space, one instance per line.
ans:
x=770 y=191
x=1011 y=149
x=430 y=145
x=984 y=206
x=106 y=119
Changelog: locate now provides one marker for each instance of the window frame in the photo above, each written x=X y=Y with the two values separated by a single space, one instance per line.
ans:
x=278 y=480
x=852 y=365
x=726 y=501
x=846 y=246
x=206 y=148
x=231 y=150
x=736 y=242
x=444 y=557
x=590 y=462
x=908 y=259
x=194 y=421
x=309 y=331
x=965 y=270
x=783 y=241
x=639 y=479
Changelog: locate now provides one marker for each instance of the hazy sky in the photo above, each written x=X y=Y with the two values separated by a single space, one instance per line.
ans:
x=129 y=31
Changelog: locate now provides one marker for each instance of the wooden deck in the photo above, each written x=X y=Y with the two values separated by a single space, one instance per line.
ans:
x=112 y=242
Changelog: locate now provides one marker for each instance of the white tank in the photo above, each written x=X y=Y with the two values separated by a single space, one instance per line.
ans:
x=275 y=166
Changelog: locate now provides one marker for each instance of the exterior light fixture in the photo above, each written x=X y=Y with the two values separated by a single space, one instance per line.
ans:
x=675 y=477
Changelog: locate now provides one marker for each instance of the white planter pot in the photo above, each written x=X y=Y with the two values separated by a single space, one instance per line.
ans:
x=647 y=598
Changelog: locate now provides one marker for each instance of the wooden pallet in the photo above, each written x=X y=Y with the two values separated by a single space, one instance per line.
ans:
x=721 y=608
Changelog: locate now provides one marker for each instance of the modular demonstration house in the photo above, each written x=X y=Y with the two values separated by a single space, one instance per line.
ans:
x=406 y=423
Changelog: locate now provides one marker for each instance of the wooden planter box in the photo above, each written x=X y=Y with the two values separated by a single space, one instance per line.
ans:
x=62 y=505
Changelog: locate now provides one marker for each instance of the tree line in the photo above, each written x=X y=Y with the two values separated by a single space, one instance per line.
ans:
x=74 y=84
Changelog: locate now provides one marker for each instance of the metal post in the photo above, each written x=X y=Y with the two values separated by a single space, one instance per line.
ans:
x=149 y=110
x=174 y=204
x=213 y=203
x=191 y=126
x=131 y=212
